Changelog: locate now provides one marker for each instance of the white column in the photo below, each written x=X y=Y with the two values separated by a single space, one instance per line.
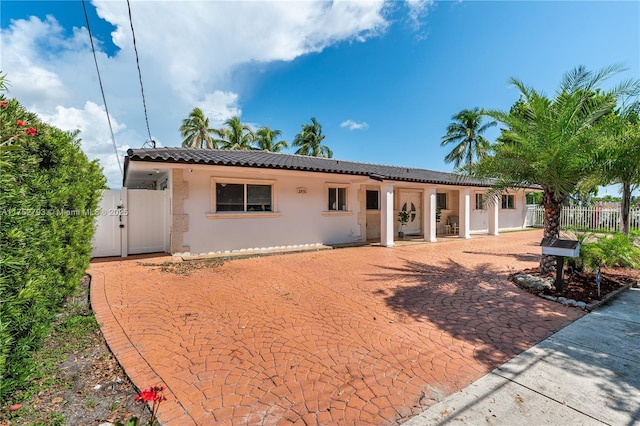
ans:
x=429 y=214
x=465 y=212
x=493 y=210
x=386 y=216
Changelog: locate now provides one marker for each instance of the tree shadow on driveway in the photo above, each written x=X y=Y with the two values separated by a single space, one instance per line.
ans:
x=521 y=257
x=476 y=305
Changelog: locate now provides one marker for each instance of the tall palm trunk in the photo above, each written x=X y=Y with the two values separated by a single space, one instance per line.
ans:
x=626 y=205
x=552 y=209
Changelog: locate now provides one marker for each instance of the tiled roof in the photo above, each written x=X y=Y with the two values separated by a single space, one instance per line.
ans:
x=277 y=160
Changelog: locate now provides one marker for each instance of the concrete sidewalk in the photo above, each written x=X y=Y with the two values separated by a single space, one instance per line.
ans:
x=588 y=373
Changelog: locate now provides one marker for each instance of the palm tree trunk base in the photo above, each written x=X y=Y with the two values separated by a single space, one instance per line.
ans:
x=547 y=264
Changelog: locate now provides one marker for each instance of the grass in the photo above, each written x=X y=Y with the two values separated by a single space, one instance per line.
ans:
x=72 y=332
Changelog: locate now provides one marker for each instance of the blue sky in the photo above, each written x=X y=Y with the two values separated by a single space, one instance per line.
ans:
x=383 y=78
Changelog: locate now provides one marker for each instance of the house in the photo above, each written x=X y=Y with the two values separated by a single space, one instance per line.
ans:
x=226 y=201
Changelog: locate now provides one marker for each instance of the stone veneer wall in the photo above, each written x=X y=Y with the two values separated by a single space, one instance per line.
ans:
x=179 y=220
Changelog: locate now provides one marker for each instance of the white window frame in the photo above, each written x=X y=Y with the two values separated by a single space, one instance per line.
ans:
x=244 y=214
x=446 y=201
x=502 y=203
x=483 y=202
x=336 y=186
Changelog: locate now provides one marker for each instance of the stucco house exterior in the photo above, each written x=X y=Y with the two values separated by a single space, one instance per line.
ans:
x=224 y=201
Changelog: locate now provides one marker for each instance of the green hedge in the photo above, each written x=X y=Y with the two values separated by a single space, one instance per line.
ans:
x=48 y=191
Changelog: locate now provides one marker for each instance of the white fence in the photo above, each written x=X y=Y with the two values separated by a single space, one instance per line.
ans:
x=585 y=218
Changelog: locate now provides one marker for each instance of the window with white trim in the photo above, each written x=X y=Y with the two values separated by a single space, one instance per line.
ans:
x=441 y=201
x=479 y=201
x=243 y=196
x=508 y=202
x=337 y=198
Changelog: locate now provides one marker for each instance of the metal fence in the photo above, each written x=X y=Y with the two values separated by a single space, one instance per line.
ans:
x=585 y=218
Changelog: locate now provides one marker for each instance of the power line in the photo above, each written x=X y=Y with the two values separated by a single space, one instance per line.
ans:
x=144 y=102
x=104 y=100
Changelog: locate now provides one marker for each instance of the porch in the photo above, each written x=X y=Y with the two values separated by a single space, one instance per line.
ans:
x=432 y=213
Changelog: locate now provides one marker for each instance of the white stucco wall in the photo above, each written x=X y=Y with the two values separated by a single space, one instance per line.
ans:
x=510 y=220
x=302 y=219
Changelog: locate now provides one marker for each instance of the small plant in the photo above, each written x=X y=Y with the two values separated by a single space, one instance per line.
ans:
x=90 y=404
x=153 y=395
x=403 y=217
x=616 y=251
x=577 y=264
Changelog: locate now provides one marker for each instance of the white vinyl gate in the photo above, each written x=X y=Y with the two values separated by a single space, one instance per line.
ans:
x=106 y=240
x=132 y=221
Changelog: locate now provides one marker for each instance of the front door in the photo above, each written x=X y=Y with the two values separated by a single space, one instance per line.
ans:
x=410 y=202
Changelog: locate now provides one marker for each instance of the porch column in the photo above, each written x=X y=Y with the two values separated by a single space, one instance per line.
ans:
x=465 y=212
x=429 y=215
x=493 y=210
x=386 y=216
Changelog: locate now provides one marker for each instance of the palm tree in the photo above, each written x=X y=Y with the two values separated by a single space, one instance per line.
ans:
x=550 y=142
x=196 y=131
x=309 y=141
x=266 y=138
x=466 y=132
x=619 y=159
x=237 y=135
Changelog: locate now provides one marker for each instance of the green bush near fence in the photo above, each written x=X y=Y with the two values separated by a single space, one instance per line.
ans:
x=48 y=193
x=612 y=251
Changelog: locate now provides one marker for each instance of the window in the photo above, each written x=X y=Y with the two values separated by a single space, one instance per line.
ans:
x=337 y=198
x=259 y=198
x=508 y=202
x=373 y=200
x=441 y=201
x=534 y=197
x=479 y=201
x=243 y=197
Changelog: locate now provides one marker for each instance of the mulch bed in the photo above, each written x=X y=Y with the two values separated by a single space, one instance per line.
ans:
x=582 y=287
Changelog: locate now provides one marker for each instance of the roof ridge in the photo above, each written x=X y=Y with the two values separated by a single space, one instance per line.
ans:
x=205 y=150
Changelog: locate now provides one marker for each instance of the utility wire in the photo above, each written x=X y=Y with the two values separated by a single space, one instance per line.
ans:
x=144 y=102
x=104 y=100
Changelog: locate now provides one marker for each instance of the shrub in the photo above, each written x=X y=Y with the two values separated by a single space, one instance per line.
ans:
x=48 y=190
x=615 y=251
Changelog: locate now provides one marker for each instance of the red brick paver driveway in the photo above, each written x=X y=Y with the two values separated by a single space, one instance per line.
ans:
x=364 y=335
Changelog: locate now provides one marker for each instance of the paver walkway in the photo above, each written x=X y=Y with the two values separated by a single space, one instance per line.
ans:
x=365 y=335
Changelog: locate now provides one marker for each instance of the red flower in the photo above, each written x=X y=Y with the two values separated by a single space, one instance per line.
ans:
x=20 y=123
x=31 y=131
x=153 y=394
x=3 y=104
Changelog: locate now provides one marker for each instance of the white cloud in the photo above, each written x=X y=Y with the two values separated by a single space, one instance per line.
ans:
x=92 y=122
x=193 y=46
x=220 y=106
x=418 y=10
x=354 y=125
x=188 y=51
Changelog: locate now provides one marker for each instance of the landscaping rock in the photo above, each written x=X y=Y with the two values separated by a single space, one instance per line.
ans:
x=531 y=282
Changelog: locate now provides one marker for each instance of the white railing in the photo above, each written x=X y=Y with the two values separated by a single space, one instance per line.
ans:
x=585 y=218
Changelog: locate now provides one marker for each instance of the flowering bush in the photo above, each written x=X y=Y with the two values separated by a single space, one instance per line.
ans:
x=43 y=254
